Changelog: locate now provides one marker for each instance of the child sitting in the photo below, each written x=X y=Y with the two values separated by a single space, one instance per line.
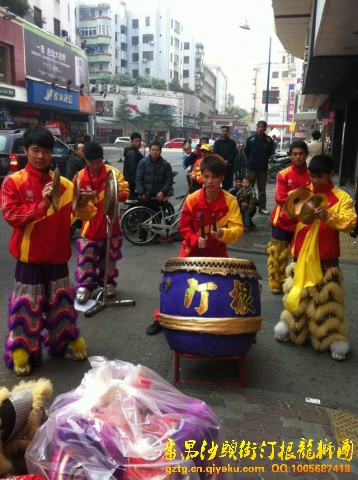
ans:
x=237 y=185
x=247 y=200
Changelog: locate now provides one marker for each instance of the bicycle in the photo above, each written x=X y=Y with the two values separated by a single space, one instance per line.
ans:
x=141 y=224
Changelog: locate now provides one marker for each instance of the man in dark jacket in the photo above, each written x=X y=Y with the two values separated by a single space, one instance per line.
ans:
x=76 y=162
x=154 y=178
x=259 y=148
x=132 y=156
x=226 y=148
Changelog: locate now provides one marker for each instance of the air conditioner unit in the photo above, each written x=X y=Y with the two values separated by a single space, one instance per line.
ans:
x=151 y=43
x=145 y=60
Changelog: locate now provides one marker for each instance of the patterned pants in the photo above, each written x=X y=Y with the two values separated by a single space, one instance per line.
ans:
x=320 y=314
x=43 y=300
x=91 y=262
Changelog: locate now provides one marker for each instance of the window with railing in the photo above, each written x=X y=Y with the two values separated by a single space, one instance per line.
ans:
x=149 y=37
x=148 y=55
x=88 y=31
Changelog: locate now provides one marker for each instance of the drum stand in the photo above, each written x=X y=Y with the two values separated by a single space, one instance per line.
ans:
x=102 y=301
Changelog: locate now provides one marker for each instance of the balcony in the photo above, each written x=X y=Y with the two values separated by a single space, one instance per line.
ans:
x=98 y=40
x=99 y=57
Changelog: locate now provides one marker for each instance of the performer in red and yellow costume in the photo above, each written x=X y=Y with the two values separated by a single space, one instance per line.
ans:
x=283 y=227
x=210 y=202
x=209 y=206
x=313 y=289
x=92 y=244
x=43 y=298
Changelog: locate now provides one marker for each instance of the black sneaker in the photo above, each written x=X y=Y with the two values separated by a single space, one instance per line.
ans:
x=154 y=328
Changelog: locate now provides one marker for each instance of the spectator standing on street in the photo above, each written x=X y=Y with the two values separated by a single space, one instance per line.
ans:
x=282 y=226
x=132 y=156
x=76 y=162
x=226 y=148
x=258 y=150
x=41 y=308
x=316 y=146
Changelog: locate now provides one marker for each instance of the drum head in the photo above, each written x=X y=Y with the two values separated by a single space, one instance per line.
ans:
x=56 y=189
x=213 y=266
x=110 y=195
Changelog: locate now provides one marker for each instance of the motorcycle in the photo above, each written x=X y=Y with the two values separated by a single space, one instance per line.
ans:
x=277 y=163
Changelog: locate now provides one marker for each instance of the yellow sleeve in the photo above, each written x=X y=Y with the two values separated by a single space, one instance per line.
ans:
x=342 y=216
x=233 y=228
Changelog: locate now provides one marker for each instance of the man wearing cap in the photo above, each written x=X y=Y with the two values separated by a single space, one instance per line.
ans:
x=226 y=148
x=259 y=148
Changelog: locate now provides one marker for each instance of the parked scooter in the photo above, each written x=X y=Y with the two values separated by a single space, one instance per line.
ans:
x=277 y=163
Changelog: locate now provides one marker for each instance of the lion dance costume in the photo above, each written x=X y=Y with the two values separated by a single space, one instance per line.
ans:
x=314 y=295
x=283 y=227
x=91 y=246
x=43 y=298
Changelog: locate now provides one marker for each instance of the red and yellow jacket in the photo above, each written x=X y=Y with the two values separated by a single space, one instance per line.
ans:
x=39 y=235
x=341 y=218
x=287 y=180
x=96 y=228
x=227 y=216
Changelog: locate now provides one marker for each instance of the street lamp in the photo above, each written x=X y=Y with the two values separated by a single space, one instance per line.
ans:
x=245 y=26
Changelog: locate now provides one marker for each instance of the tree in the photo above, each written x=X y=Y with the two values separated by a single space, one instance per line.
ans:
x=123 y=113
x=156 y=119
x=236 y=110
x=19 y=7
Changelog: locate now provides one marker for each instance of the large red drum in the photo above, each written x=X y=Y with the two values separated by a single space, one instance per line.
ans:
x=210 y=306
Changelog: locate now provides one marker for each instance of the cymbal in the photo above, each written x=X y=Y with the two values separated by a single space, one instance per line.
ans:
x=76 y=193
x=56 y=189
x=309 y=207
x=295 y=200
x=110 y=200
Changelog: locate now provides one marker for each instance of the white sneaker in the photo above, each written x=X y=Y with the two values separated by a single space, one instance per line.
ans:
x=264 y=211
x=83 y=294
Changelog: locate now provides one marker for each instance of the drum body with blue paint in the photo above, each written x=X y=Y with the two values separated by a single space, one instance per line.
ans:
x=210 y=306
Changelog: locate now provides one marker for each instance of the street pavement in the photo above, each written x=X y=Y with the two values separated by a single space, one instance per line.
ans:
x=282 y=380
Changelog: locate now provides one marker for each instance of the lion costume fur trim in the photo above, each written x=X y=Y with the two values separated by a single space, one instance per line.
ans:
x=41 y=390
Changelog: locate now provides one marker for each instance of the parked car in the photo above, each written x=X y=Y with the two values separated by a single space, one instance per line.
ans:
x=122 y=142
x=195 y=142
x=13 y=157
x=174 y=143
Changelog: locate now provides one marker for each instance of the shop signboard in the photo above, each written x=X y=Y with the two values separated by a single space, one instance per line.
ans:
x=51 y=59
x=44 y=94
x=54 y=127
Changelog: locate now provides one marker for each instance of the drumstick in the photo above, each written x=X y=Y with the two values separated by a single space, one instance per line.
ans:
x=213 y=222
x=202 y=225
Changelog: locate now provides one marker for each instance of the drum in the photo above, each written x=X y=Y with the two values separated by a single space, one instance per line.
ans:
x=210 y=306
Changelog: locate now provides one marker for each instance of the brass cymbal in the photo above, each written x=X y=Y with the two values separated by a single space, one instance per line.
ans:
x=110 y=200
x=56 y=189
x=295 y=200
x=309 y=207
x=76 y=193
